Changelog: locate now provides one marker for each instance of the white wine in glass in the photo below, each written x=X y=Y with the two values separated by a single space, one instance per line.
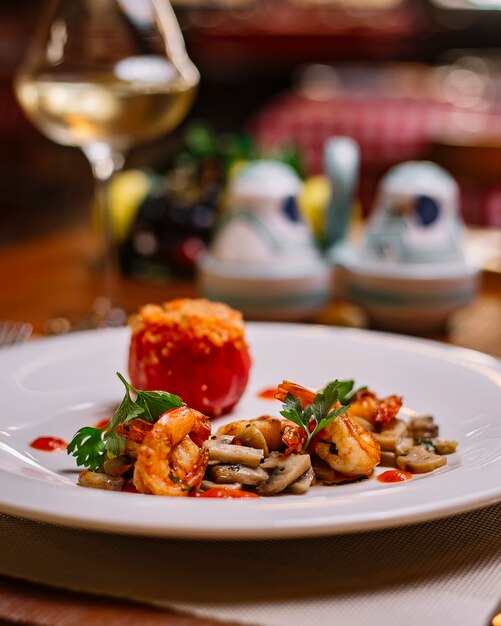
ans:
x=105 y=75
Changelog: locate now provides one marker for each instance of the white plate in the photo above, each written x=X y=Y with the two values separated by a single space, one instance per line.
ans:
x=52 y=387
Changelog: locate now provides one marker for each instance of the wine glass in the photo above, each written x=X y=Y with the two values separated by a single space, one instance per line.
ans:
x=104 y=75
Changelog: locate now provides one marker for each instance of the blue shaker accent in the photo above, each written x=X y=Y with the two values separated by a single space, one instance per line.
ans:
x=427 y=210
x=291 y=210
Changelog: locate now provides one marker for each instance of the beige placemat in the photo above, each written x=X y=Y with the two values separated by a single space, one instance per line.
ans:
x=441 y=573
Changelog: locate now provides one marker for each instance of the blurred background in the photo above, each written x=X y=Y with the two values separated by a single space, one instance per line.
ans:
x=408 y=79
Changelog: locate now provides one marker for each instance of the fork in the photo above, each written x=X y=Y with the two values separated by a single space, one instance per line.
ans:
x=14 y=332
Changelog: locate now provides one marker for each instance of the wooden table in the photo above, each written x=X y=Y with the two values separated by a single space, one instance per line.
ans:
x=50 y=278
x=54 y=277
x=50 y=281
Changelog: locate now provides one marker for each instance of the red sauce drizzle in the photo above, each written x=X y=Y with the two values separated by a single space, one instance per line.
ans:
x=394 y=476
x=268 y=393
x=225 y=492
x=102 y=423
x=48 y=444
x=129 y=488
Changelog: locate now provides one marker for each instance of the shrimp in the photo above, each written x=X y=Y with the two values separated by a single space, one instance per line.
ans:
x=298 y=391
x=366 y=403
x=347 y=447
x=171 y=460
x=344 y=444
x=375 y=410
x=276 y=432
x=134 y=432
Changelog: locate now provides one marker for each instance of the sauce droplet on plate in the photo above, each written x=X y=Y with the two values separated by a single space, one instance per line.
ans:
x=268 y=393
x=225 y=492
x=102 y=423
x=48 y=444
x=394 y=476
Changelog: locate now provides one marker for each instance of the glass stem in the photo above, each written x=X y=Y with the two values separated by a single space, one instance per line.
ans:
x=105 y=163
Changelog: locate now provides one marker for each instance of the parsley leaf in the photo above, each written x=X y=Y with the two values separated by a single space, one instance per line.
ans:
x=292 y=410
x=126 y=411
x=154 y=403
x=319 y=413
x=90 y=445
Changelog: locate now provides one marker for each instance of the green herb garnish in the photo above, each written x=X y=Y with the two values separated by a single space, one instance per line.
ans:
x=426 y=443
x=88 y=447
x=177 y=481
x=319 y=413
x=91 y=445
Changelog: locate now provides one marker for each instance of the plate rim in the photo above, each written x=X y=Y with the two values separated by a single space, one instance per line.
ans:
x=316 y=527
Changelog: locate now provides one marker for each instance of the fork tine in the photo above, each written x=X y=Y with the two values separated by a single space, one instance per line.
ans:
x=5 y=329
x=11 y=334
x=14 y=332
x=25 y=331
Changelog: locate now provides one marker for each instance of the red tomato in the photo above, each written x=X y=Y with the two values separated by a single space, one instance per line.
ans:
x=224 y=492
x=207 y=375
